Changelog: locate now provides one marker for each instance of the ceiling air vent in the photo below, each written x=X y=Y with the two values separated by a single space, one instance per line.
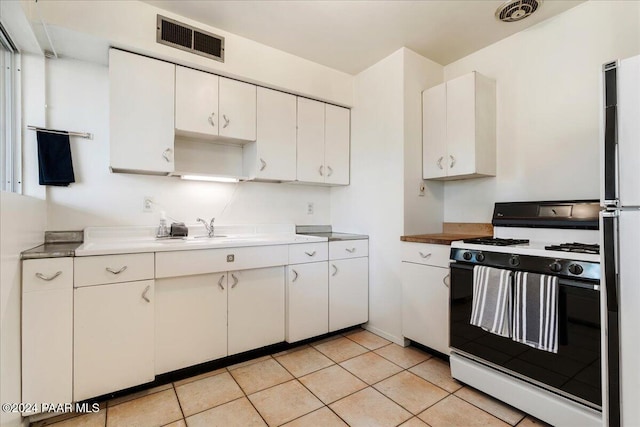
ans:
x=185 y=37
x=515 y=10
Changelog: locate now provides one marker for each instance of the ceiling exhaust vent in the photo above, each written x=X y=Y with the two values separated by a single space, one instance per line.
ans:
x=516 y=10
x=185 y=37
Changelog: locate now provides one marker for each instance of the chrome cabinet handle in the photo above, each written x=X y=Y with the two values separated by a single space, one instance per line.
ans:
x=330 y=171
x=220 y=282
x=144 y=293
x=211 y=122
x=453 y=161
x=166 y=154
x=226 y=121
x=439 y=162
x=335 y=269
x=48 y=278
x=352 y=250
x=112 y=271
x=424 y=255
x=296 y=275
x=264 y=164
x=445 y=281
x=310 y=253
x=235 y=280
x=320 y=170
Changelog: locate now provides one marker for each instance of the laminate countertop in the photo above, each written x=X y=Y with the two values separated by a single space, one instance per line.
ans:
x=452 y=231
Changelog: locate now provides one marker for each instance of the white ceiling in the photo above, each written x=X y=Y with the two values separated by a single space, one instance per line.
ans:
x=352 y=35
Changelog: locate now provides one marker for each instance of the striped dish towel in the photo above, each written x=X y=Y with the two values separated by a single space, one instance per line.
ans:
x=492 y=300
x=535 y=314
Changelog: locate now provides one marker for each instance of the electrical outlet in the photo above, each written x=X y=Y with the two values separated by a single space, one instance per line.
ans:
x=147 y=204
x=310 y=208
x=421 y=189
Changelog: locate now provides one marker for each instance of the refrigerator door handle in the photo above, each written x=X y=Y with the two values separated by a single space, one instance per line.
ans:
x=609 y=225
x=610 y=135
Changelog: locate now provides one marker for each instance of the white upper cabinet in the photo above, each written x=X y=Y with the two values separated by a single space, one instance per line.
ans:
x=237 y=107
x=323 y=143
x=310 y=166
x=141 y=113
x=466 y=146
x=273 y=156
x=212 y=106
x=196 y=102
x=434 y=132
x=336 y=144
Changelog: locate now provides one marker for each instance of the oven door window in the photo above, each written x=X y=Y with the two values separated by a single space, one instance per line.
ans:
x=574 y=371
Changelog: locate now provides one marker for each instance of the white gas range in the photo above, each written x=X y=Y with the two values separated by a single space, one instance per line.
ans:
x=555 y=239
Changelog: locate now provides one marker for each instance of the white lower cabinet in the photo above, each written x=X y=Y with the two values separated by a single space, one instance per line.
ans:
x=425 y=305
x=255 y=308
x=113 y=337
x=348 y=292
x=190 y=321
x=307 y=300
x=47 y=330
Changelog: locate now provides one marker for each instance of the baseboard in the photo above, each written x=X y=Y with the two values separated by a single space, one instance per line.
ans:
x=394 y=339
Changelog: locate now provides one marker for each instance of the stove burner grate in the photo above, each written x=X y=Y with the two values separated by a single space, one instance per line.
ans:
x=583 y=248
x=494 y=241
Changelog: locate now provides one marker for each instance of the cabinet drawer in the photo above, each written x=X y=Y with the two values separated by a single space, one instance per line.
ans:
x=185 y=263
x=47 y=274
x=348 y=249
x=308 y=252
x=100 y=270
x=427 y=254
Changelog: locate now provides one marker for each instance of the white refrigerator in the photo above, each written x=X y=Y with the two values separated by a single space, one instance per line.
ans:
x=620 y=242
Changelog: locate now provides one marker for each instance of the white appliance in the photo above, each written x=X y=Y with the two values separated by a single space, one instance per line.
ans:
x=563 y=389
x=620 y=239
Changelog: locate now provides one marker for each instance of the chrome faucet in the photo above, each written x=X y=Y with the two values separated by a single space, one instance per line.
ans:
x=209 y=226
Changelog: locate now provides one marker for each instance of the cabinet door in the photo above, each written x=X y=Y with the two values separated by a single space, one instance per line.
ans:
x=336 y=144
x=237 y=108
x=255 y=308
x=190 y=321
x=310 y=145
x=47 y=330
x=141 y=113
x=348 y=292
x=434 y=132
x=113 y=330
x=461 y=125
x=196 y=102
x=425 y=305
x=276 y=142
x=307 y=301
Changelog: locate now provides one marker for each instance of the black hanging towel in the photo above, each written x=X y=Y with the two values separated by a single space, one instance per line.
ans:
x=54 y=159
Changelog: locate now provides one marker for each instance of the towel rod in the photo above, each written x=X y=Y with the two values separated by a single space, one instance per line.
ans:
x=61 y=132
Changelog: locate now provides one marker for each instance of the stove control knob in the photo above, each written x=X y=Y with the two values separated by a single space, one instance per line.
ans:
x=467 y=256
x=480 y=256
x=576 y=269
x=555 y=266
x=514 y=261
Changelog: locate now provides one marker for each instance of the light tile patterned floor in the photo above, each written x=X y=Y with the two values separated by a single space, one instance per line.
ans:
x=354 y=379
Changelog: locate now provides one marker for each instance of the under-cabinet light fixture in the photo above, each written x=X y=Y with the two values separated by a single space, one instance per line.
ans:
x=209 y=178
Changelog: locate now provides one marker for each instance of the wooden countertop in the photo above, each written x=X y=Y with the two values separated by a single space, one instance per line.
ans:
x=452 y=231
x=440 y=238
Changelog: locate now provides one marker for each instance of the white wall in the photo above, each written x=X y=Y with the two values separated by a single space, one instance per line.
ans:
x=78 y=27
x=77 y=99
x=373 y=203
x=383 y=124
x=22 y=225
x=548 y=93
x=422 y=214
